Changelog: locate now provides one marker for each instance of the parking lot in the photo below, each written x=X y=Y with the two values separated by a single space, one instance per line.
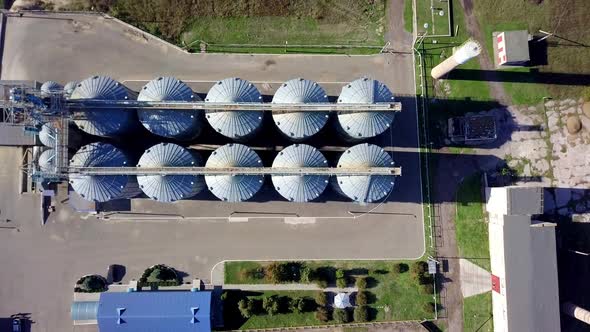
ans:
x=41 y=263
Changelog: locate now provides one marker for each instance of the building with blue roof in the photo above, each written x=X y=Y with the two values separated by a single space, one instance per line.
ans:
x=158 y=311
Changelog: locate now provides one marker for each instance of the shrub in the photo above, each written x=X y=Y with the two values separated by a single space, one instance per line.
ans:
x=361 y=298
x=91 y=284
x=425 y=279
x=429 y=307
x=271 y=304
x=428 y=289
x=159 y=275
x=361 y=283
x=255 y=273
x=401 y=268
x=341 y=316
x=321 y=299
x=246 y=307
x=306 y=274
x=361 y=314
x=339 y=274
x=322 y=283
x=419 y=268
x=322 y=314
x=341 y=283
x=277 y=272
x=299 y=305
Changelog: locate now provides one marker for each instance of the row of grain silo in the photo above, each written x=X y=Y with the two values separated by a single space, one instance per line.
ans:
x=237 y=125
x=229 y=188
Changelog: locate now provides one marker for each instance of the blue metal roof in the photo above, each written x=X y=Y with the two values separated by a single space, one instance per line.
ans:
x=155 y=311
x=84 y=310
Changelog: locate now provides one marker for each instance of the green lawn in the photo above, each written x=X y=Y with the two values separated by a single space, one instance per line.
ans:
x=397 y=296
x=408 y=16
x=470 y=224
x=285 y=319
x=477 y=313
x=437 y=25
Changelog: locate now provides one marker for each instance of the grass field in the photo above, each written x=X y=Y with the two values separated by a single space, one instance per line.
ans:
x=399 y=292
x=470 y=224
x=567 y=55
x=284 y=319
x=427 y=12
x=477 y=313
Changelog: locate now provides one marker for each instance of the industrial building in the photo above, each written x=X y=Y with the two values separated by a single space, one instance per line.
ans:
x=525 y=294
x=146 y=311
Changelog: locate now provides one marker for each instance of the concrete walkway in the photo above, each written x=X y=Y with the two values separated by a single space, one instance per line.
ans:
x=474 y=279
x=288 y=287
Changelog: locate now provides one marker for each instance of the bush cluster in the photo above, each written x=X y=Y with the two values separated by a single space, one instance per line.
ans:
x=274 y=304
x=91 y=284
x=159 y=275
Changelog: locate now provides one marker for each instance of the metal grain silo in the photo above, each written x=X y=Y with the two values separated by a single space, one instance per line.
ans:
x=46 y=160
x=300 y=125
x=362 y=125
x=180 y=125
x=170 y=188
x=49 y=87
x=102 y=188
x=103 y=122
x=234 y=124
x=234 y=188
x=69 y=87
x=47 y=135
x=364 y=188
x=300 y=188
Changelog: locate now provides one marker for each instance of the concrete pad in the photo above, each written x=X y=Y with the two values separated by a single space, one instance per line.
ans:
x=474 y=279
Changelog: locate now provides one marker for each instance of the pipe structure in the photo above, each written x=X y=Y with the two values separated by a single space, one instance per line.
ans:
x=469 y=50
x=576 y=312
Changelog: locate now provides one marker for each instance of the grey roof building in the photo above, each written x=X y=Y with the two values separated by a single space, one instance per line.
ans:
x=300 y=188
x=180 y=125
x=170 y=188
x=298 y=126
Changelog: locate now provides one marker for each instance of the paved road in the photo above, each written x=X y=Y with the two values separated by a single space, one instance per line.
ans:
x=45 y=261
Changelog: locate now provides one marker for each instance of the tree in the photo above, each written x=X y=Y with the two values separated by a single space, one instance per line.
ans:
x=419 y=268
x=341 y=316
x=298 y=305
x=361 y=298
x=273 y=272
x=429 y=307
x=322 y=314
x=361 y=283
x=271 y=304
x=255 y=273
x=341 y=283
x=306 y=274
x=401 y=268
x=339 y=274
x=246 y=307
x=428 y=289
x=321 y=298
x=361 y=314
x=92 y=283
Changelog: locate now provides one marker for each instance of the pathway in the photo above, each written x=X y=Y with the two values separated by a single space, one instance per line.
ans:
x=399 y=39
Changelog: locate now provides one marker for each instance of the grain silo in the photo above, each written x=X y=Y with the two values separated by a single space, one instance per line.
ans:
x=102 y=188
x=46 y=160
x=234 y=188
x=181 y=124
x=362 y=125
x=69 y=87
x=364 y=188
x=170 y=188
x=238 y=125
x=300 y=125
x=300 y=188
x=49 y=87
x=103 y=122
x=47 y=135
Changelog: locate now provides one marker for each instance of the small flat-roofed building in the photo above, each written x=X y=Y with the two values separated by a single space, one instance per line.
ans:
x=511 y=48
x=525 y=294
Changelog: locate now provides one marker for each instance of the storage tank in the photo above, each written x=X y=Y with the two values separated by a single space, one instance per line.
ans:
x=170 y=188
x=104 y=122
x=234 y=188
x=49 y=87
x=298 y=126
x=102 y=188
x=46 y=160
x=47 y=135
x=181 y=125
x=69 y=87
x=300 y=188
x=363 y=125
x=238 y=125
x=364 y=188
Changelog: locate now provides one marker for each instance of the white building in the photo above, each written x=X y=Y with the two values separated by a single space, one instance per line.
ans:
x=525 y=293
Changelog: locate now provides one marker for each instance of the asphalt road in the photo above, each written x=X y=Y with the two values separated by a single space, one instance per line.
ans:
x=41 y=263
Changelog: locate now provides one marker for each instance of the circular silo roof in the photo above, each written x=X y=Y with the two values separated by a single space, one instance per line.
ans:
x=300 y=125
x=363 y=188
x=234 y=188
x=47 y=135
x=170 y=188
x=103 y=122
x=234 y=124
x=183 y=125
x=362 y=125
x=70 y=86
x=100 y=188
x=300 y=188
x=46 y=160
x=50 y=86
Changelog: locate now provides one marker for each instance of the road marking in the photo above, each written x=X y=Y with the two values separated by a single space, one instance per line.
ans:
x=299 y=220
x=238 y=219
